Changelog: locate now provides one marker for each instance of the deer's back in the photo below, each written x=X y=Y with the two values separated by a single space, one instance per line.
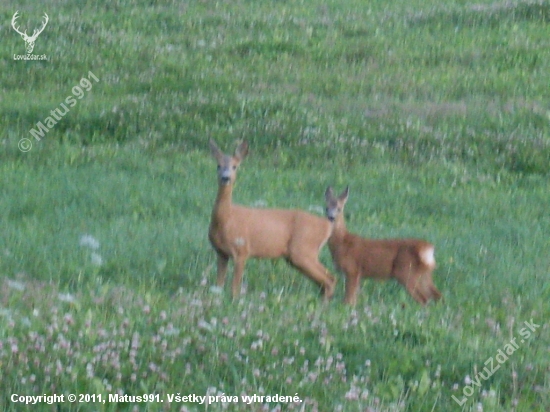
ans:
x=376 y=257
x=268 y=232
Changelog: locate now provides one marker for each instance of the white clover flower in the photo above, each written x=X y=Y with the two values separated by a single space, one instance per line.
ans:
x=204 y=325
x=97 y=260
x=14 y=284
x=89 y=241
x=66 y=297
x=316 y=209
x=216 y=290
x=259 y=203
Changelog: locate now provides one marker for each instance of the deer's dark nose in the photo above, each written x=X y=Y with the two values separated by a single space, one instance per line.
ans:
x=225 y=179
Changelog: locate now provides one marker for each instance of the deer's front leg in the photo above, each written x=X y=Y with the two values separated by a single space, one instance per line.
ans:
x=238 y=275
x=352 y=286
x=223 y=261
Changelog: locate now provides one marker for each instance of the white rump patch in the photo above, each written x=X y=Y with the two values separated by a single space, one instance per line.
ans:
x=427 y=256
x=239 y=241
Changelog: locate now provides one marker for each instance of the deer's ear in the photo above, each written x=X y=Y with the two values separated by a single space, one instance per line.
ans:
x=329 y=194
x=241 y=151
x=344 y=195
x=214 y=150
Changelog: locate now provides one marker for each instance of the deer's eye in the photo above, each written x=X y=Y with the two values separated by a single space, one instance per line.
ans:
x=234 y=167
x=219 y=167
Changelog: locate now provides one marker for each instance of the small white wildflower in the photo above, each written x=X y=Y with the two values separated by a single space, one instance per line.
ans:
x=259 y=203
x=5 y=312
x=171 y=331
x=202 y=324
x=97 y=260
x=317 y=209
x=216 y=290
x=66 y=297
x=14 y=284
x=89 y=241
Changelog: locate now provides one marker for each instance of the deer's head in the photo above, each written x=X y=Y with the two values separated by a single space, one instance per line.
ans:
x=335 y=205
x=29 y=40
x=227 y=165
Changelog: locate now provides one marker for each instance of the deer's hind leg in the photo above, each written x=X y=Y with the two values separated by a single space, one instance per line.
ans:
x=435 y=293
x=429 y=288
x=409 y=276
x=313 y=269
x=415 y=290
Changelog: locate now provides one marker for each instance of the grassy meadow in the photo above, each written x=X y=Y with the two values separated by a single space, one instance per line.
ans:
x=435 y=113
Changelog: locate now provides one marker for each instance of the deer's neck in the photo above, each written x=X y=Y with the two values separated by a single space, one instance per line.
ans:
x=222 y=207
x=339 y=229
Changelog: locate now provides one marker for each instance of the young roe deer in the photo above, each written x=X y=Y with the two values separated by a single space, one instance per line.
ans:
x=410 y=261
x=238 y=232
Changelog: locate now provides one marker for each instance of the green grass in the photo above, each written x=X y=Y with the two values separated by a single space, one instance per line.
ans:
x=436 y=115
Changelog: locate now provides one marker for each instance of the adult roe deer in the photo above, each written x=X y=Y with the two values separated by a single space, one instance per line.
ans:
x=410 y=261
x=238 y=232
